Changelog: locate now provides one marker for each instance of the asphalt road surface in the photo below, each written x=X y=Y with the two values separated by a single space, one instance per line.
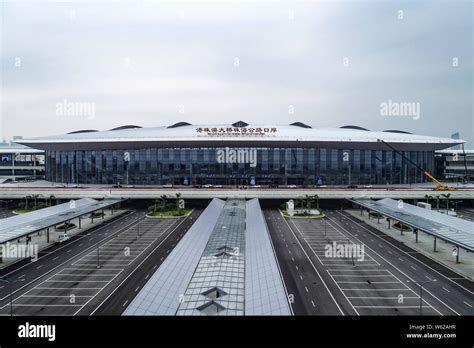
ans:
x=308 y=293
x=384 y=280
x=73 y=279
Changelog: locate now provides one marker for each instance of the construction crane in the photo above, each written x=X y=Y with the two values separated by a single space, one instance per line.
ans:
x=439 y=185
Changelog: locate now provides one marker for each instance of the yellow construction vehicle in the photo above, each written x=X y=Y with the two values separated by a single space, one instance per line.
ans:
x=439 y=185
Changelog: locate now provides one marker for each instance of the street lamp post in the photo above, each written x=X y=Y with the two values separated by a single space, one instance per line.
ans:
x=421 y=284
x=325 y=225
x=98 y=256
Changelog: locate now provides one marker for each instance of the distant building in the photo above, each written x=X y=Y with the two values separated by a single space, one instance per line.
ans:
x=455 y=164
x=18 y=163
x=456 y=136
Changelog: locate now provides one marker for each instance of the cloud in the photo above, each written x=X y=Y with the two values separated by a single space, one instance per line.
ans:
x=140 y=62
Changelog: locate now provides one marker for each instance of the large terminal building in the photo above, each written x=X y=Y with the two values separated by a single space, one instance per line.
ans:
x=238 y=154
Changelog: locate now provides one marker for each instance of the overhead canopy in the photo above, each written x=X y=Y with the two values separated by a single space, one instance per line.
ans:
x=451 y=229
x=21 y=225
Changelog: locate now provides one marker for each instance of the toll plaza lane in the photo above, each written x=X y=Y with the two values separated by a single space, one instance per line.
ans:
x=307 y=291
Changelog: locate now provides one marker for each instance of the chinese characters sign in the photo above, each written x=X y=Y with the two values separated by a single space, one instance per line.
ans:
x=236 y=131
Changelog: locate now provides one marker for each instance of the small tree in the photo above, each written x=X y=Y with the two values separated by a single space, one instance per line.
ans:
x=35 y=197
x=178 y=195
x=163 y=202
x=155 y=204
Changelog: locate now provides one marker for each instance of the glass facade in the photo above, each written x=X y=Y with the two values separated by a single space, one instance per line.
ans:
x=273 y=166
x=16 y=164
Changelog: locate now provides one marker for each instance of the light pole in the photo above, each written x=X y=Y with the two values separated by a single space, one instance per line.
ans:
x=10 y=285
x=456 y=206
x=447 y=202
x=421 y=284
x=325 y=225
x=98 y=256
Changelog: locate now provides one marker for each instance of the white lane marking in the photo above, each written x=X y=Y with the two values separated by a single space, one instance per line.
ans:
x=354 y=220
x=467 y=304
x=139 y=265
x=393 y=306
x=380 y=256
x=306 y=289
x=125 y=303
x=312 y=302
x=445 y=289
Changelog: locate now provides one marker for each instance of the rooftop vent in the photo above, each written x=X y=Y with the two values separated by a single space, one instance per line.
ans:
x=214 y=293
x=300 y=124
x=354 y=127
x=240 y=124
x=83 y=131
x=211 y=308
x=129 y=126
x=396 y=131
x=179 y=124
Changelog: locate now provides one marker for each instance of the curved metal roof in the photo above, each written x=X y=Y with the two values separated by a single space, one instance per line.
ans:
x=83 y=131
x=179 y=124
x=397 y=131
x=129 y=126
x=240 y=124
x=249 y=136
x=300 y=124
x=354 y=127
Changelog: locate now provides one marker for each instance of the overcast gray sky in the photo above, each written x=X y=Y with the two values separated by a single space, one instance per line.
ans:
x=324 y=63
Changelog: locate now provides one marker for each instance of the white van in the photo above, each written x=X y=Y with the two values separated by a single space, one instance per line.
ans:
x=63 y=237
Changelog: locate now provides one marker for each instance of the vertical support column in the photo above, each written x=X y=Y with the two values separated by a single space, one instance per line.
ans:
x=434 y=244
x=79 y=220
x=457 y=254
x=416 y=235
x=361 y=210
x=47 y=235
x=388 y=223
x=103 y=214
x=368 y=214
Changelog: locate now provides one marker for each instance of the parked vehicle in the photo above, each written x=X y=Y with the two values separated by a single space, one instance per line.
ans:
x=63 y=237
